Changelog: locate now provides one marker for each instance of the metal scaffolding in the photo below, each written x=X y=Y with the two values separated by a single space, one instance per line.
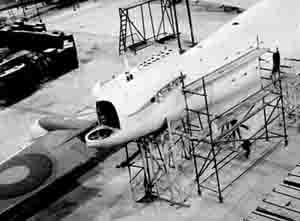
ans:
x=291 y=88
x=152 y=170
x=141 y=25
x=138 y=25
x=226 y=144
x=209 y=143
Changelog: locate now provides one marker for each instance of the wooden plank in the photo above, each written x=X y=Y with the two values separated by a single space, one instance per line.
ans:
x=292 y=181
x=290 y=186
x=295 y=172
x=277 y=212
x=256 y=216
x=283 y=201
x=285 y=190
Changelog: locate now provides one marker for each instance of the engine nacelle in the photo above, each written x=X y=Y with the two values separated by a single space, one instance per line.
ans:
x=99 y=133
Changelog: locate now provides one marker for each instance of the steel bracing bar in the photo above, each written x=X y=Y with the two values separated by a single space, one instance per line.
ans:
x=253 y=164
x=212 y=143
x=168 y=13
x=269 y=121
x=173 y=3
x=266 y=153
x=282 y=110
x=219 y=162
x=261 y=93
x=151 y=19
x=228 y=132
x=190 y=21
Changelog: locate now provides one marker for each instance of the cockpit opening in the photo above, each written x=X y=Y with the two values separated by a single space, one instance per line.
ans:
x=107 y=114
x=129 y=76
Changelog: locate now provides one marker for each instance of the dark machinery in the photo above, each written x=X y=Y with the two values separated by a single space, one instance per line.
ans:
x=30 y=55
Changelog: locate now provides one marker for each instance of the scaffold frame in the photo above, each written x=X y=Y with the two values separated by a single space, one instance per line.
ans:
x=164 y=29
x=198 y=127
x=139 y=37
x=268 y=99
x=147 y=165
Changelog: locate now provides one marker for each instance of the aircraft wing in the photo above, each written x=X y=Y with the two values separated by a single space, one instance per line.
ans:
x=244 y=4
x=43 y=166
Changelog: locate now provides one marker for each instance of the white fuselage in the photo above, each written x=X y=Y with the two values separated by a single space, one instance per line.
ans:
x=275 y=22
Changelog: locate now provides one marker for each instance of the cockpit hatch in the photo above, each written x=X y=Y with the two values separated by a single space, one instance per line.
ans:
x=107 y=114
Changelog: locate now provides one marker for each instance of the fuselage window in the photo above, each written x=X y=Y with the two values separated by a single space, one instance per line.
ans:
x=165 y=90
x=129 y=76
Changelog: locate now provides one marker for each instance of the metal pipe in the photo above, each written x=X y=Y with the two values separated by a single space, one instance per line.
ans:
x=177 y=27
x=162 y=2
x=282 y=110
x=190 y=21
x=151 y=19
x=212 y=142
x=265 y=120
x=143 y=21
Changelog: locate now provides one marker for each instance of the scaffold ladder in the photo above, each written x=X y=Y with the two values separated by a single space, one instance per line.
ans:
x=123 y=30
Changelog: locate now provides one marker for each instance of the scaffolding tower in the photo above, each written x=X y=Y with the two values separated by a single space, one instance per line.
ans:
x=134 y=34
x=221 y=133
x=138 y=25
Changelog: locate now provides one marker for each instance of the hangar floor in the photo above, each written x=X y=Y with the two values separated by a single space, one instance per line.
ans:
x=103 y=193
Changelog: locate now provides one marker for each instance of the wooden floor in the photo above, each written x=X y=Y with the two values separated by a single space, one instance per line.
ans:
x=282 y=203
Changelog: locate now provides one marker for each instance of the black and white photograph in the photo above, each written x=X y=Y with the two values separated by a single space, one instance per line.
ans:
x=114 y=110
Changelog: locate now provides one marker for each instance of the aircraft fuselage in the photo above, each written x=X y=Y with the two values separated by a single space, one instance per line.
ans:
x=142 y=109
